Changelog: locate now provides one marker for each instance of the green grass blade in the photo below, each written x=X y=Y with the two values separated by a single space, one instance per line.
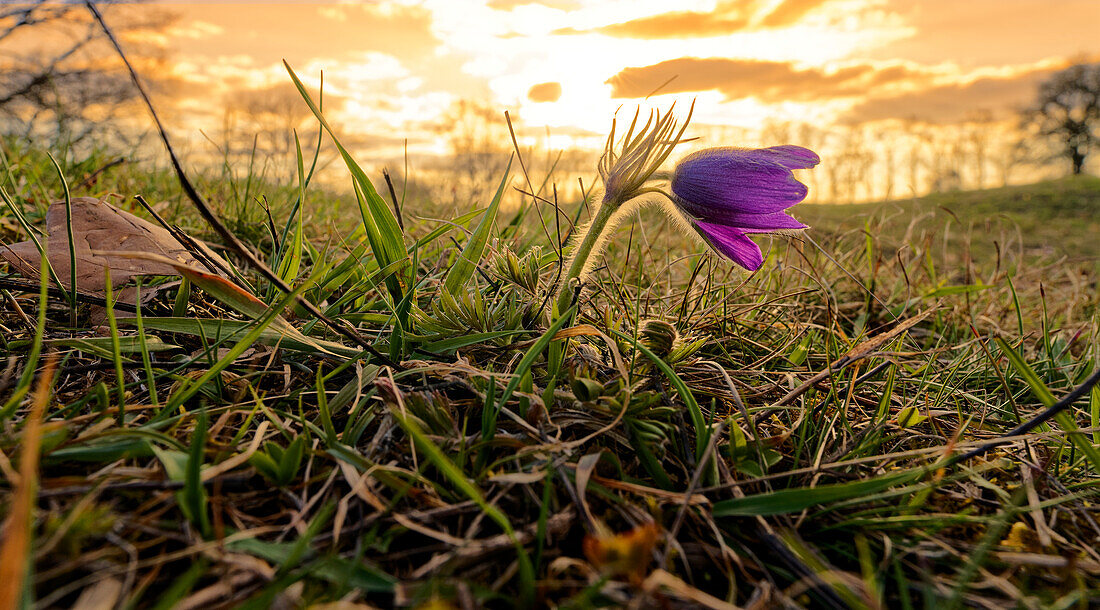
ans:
x=335 y=570
x=1045 y=396
x=253 y=335
x=220 y=330
x=290 y=258
x=383 y=232
x=702 y=431
x=192 y=497
x=532 y=354
x=27 y=379
x=116 y=353
x=457 y=478
x=797 y=499
x=467 y=261
x=72 y=242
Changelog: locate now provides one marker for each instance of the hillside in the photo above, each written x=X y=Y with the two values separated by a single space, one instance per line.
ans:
x=1048 y=220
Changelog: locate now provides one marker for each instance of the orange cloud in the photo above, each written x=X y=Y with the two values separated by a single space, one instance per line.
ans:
x=545 y=92
x=954 y=102
x=727 y=18
x=507 y=5
x=790 y=12
x=768 y=81
x=682 y=24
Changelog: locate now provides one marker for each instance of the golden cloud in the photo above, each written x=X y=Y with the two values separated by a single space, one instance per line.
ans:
x=790 y=12
x=954 y=102
x=545 y=92
x=768 y=81
x=727 y=18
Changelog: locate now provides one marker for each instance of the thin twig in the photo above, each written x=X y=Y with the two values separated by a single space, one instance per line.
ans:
x=393 y=196
x=1029 y=425
x=91 y=179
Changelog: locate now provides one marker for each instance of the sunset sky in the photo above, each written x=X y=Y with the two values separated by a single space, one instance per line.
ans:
x=394 y=69
x=568 y=64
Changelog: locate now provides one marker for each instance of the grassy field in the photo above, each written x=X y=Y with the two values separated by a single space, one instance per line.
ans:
x=1046 y=220
x=786 y=438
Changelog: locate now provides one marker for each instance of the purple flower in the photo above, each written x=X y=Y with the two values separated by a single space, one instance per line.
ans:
x=728 y=193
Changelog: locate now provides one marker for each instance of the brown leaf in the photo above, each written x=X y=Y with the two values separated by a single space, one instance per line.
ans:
x=98 y=227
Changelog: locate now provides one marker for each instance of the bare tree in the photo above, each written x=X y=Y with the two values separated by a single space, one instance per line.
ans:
x=1068 y=111
x=57 y=73
x=850 y=166
x=479 y=143
x=980 y=128
x=1012 y=150
x=266 y=118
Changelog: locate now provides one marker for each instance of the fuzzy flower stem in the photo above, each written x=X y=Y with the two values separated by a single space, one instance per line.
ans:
x=624 y=169
x=588 y=247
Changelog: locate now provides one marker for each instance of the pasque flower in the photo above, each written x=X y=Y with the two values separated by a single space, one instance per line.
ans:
x=724 y=194
x=728 y=193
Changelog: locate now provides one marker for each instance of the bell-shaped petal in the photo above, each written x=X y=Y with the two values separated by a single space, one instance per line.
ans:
x=732 y=243
x=790 y=157
x=719 y=182
x=727 y=193
x=750 y=222
x=766 y=223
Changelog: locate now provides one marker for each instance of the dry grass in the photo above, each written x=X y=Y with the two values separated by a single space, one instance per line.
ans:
x=760 y=453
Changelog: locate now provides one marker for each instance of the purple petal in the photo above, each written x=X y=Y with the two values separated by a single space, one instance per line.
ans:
x=763 y=223
x=713 y=184
x=732 y=243
x=790 y=157
x=707 y=198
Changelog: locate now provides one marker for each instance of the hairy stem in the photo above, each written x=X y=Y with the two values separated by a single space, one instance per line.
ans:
x=592 y=242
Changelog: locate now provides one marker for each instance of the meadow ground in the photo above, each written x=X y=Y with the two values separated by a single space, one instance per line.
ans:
x=787 y=438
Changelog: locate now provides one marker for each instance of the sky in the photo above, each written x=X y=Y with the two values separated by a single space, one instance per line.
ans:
x=395 y=70
x=568 y=64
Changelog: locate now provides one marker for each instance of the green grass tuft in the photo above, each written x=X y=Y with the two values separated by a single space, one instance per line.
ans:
x=787 y=433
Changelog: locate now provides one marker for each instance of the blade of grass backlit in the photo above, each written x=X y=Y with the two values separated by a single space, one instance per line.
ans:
x=72 y=243
x=1043 y=393
x=383 y=232
x=463 y=268
x=290 y=257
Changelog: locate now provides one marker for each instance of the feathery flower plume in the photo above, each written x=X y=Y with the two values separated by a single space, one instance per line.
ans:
x=624 y=171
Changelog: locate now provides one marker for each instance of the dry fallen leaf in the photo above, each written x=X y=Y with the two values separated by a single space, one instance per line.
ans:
x=98 y=227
